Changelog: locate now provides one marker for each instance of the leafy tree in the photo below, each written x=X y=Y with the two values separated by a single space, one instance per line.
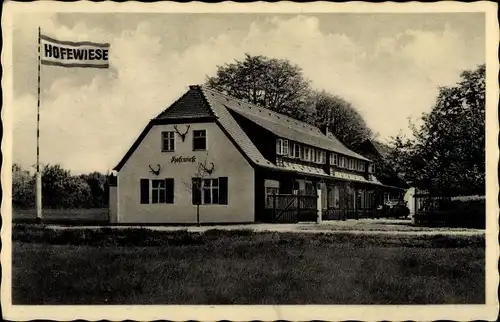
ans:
x=60 y=189
x=343 y=120
x=280 y=86
x=275 y=84
x=98 y=189
x=23 y=187
x=447 y=153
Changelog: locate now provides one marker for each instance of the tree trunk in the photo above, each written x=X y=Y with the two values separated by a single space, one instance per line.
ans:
x=198 y=215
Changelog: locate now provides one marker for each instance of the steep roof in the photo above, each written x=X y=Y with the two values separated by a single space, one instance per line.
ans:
x=195 y=104
x=202 y=102
x=234 y=130
x=189 y=105
x=279 y=124
x=381 y=148
x=379 y=152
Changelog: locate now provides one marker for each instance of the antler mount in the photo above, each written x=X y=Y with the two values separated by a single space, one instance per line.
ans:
x=153 y=171
x=182 y=135
x=207 y=170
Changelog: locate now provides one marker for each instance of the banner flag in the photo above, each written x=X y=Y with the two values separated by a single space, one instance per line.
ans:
x=73 y=54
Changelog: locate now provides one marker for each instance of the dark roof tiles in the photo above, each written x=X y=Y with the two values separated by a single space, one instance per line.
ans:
x=274 y=122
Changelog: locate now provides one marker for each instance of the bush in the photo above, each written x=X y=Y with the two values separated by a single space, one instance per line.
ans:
x=470 y=213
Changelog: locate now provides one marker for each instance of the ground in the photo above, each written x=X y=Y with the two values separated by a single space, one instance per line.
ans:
x=143 y=266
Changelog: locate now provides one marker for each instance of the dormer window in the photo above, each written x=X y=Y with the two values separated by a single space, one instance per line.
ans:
x=334 y=159
x=296 y=151
x=320 y=156
x=341 y=162
x=281 y=147
x=361 y=166
x=307 y=154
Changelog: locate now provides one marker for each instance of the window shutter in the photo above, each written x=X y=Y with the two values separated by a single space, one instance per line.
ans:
x=196 y=191
x=144 y=191
x=169 y=190
x=223 y=190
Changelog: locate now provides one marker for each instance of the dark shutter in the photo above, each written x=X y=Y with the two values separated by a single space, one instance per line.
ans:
x=223 y=190
x=144 y=191
x=196 y=191
x=169 y=190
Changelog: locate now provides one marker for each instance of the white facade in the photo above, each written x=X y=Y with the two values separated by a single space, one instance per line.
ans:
x=227 y=161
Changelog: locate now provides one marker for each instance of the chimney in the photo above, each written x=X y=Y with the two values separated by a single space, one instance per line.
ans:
x=325 y=129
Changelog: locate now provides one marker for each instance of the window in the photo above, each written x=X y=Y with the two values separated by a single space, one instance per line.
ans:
x=282 y=147
x=323 y=157
x=319 y=156
x=296 y=151
x=210 y=191
x=341 y=161
x=291 y=149
x=168 y=141
x=334 y=159
x=200 y=140
x=313 y=155
x=156 y=191
x=307 y=154
x=361 y=166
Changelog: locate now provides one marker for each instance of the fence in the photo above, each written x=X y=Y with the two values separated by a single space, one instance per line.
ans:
x=291 y=208
x=348 y=213
x=431 y=210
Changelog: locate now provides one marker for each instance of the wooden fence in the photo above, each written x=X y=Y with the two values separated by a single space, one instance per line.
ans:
x=291 y=208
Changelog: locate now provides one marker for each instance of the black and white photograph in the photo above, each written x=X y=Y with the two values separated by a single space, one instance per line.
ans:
x=259 y=161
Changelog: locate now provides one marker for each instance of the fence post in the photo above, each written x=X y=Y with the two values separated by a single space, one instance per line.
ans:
x=274 y=206
x=319 y=206
x=298 y=206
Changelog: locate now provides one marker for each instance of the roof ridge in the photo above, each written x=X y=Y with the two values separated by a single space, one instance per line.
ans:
x=271 y=111
x=207 y=101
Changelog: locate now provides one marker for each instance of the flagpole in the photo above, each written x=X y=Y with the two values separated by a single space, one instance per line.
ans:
x=38 y=175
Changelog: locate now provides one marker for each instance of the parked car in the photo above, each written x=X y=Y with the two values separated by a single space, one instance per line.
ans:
x=393 y=209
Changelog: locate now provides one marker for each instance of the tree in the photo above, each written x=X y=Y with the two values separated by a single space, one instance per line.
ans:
x=62 y=190
x=447 y=153
x=195 y=187
x=275 y=84
x=343 y=120
x=98 y=189
x=280 y=86
x=23 y=187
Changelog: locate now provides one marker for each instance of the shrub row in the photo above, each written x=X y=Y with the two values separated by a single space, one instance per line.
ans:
x=458 y=213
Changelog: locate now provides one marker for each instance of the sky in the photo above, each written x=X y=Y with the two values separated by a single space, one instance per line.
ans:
x=389 y=66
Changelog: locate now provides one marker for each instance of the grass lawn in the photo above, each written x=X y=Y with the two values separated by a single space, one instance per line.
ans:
x=378 y=225
x=241 y=267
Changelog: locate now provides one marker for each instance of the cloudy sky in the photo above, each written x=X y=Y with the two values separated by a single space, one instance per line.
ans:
x=387 y=65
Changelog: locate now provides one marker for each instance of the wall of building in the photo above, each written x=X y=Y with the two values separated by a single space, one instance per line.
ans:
x=228 y=162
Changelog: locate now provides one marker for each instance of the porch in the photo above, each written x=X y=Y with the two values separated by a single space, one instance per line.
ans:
x=300 y=199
